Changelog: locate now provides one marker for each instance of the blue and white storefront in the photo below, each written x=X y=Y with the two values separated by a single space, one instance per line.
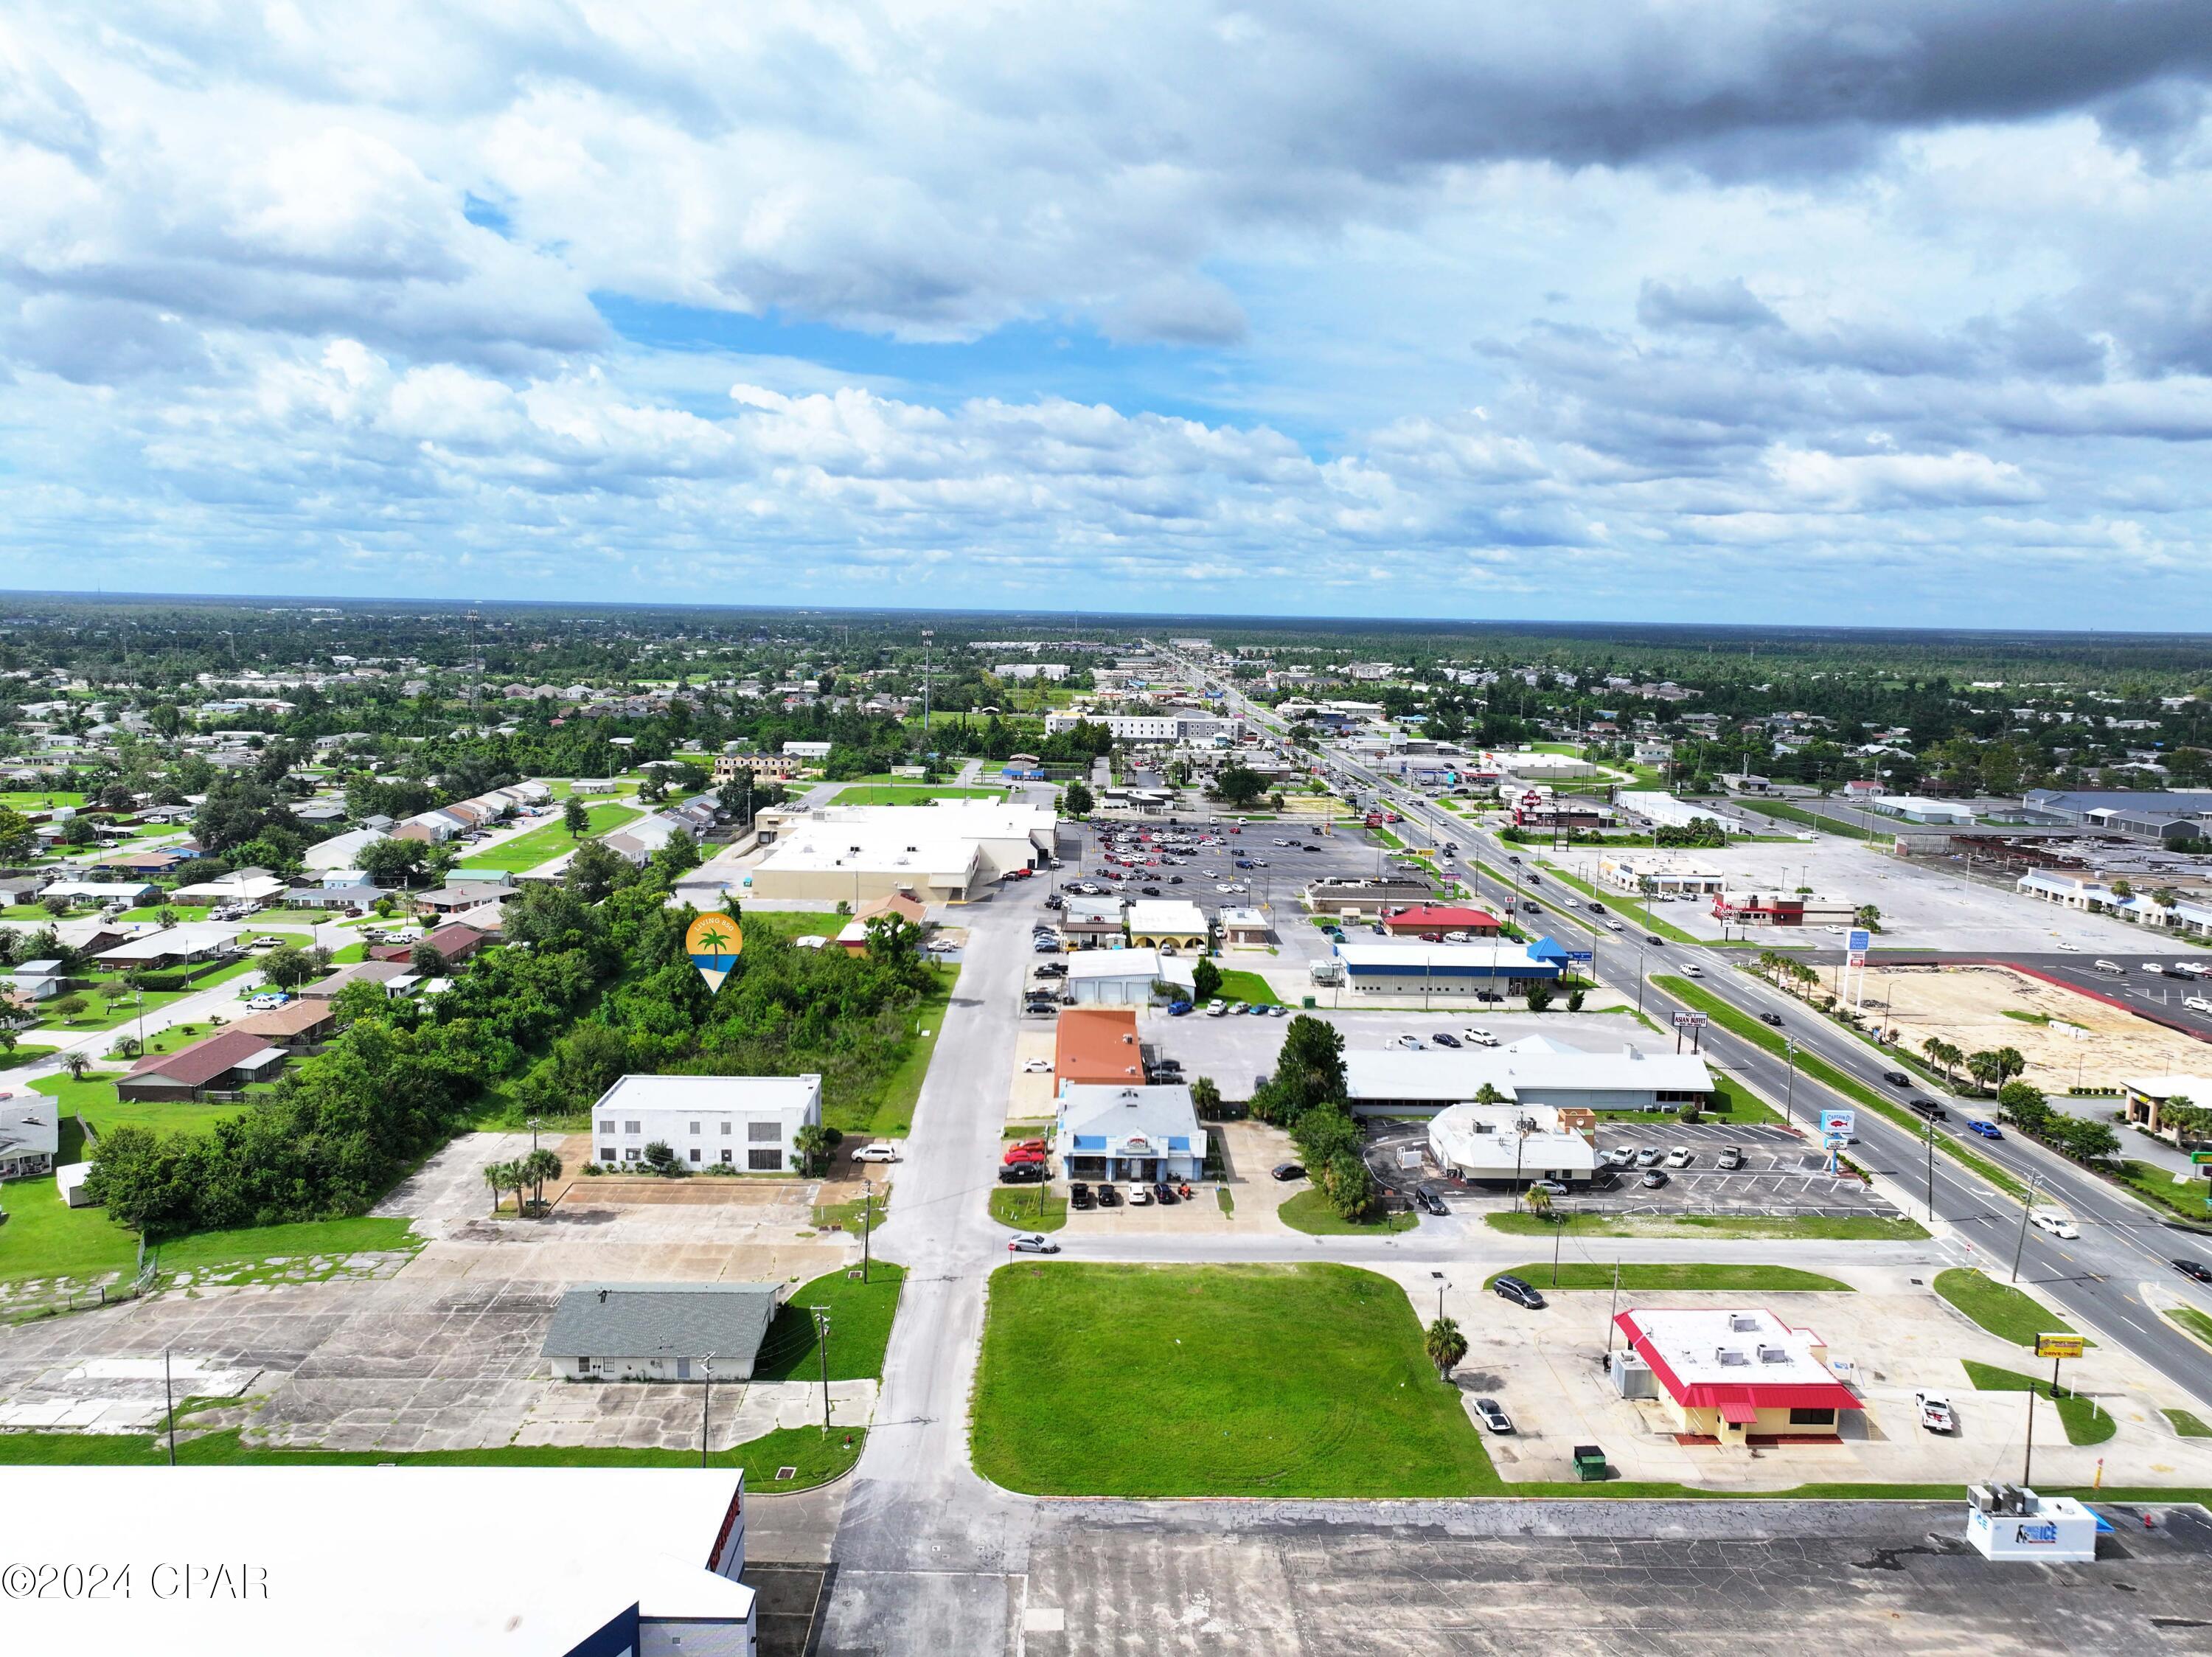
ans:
x=1147 y=1133
x=1479 y=971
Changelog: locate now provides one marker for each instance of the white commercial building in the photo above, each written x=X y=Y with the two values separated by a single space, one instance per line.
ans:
x=1170 y=925
x=276 y=1559
x=1510 y=1141
x=1123 y=978
x=1471 y=971
x=1149 y=728
x=1535 y=767
x=807 y=749
x=1624 y=872
x=1915 y=809
x=747 y=1122
x=1024 y=670
x=1670 y=812
x=175 y=945
x=1532 y=1070
x=940 y=852
x=341 y=851
x=1144 y=1134
x=127 y=892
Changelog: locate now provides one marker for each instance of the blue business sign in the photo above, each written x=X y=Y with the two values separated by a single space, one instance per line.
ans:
x=1582 y=957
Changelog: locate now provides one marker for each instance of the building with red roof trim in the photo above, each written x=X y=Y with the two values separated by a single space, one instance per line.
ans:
x=1441 y=918
x=1732 y=1375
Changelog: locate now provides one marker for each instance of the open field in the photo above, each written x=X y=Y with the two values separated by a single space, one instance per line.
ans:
x=2083 y=1042
x=542 y=844
x=1643 y=1277
x=1214 y=1380
x=1999 y=1307
x=860 y=1315
x=94 y=1098
x=1308 y=1211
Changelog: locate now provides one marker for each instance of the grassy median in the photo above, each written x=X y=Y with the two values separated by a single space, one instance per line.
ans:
x=1645 y=1275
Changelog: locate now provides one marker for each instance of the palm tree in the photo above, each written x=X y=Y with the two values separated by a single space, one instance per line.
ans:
x=1985 y=1067
x=500 y=1175
x=1942 y=1052
x=1445 y=1346
x=75 y=1063
x=1539 y=1200
x=2011 y=1061
x=538 y=1167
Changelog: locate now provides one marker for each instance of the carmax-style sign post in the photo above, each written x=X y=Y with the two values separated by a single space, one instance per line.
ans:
x=712 y=942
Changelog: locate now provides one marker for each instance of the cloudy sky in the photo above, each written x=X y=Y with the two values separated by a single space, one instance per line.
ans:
x=1885 y=311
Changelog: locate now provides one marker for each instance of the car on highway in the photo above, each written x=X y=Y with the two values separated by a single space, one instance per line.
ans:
x=1731 y=1159
x=1478 y=1036
x=1693 y=971
x=1648 y=1156
x=1935 y=1412
x=1680 y=1157
x=1444 y=1038
x=1897 y=1078
x=1288 y=1171
x=267 y=1002
x=1986 y=1129
x=1774 y=1018
x=1617 y=926
x=1653 y=1179
x=2196 y=1269
x=1493 y=1415
x=1518 y=1290
x=1431 y=1199
x=1032 y=1242
x=2055 y=1221
x=1928 y=1110
x=1654 y=940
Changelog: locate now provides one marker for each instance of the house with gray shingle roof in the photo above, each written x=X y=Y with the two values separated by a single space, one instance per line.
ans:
x=661 y=1331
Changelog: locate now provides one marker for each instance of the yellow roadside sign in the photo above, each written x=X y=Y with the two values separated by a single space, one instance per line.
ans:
x=2059 y=1346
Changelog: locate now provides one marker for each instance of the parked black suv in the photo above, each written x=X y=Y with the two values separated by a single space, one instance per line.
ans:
x=1078 y=1196
x=1021 y=1174
x=1431 y=1198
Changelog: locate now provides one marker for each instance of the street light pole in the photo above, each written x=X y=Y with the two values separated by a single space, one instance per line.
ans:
x=705 y=1404
x=1789 y=1092
x=868 y=1222
x=821 y=1335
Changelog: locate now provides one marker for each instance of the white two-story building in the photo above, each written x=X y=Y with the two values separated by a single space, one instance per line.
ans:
x=747 y=1122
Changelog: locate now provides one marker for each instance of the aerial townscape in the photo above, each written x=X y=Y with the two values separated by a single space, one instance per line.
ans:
x=1172 y=831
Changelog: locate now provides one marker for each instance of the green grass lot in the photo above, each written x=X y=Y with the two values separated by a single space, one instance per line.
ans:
x=1239 y=985
x=818 y=1456
x=1785 y=812
x=860 y=1327
x=1310 y=1212
x=1645 y=1277
x=94 y=1098
x=1741 y=1024
x=1845 y=1228
x=545 y=842
x=887 y=1110
x=32 y=800
x=1998 y=1307
x=1733 y=1103
x=2192 y=1321
x=1635 y=914
x=1304 y=1380
x=182 y=911
x=913 y=794
x=2084 y=1422
x=25 y=1053
x=1027 y=1208
x=112 y=1004
x=2187 y=1424
x=2154 y=1184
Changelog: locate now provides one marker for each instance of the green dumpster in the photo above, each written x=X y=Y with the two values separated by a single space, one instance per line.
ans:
x=1308 y=1001
x=1589 y=1462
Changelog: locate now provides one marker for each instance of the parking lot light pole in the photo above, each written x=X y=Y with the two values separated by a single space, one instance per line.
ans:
x=1931 y=1170
x=706 y=1402
x=822 y=1338
x=1790 y=1090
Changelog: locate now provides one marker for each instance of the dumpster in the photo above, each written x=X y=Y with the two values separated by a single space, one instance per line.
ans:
x=1590 y=1464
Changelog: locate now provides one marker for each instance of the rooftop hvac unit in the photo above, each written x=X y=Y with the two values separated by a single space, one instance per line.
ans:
x=1743 y=1322
x=1728 y=1358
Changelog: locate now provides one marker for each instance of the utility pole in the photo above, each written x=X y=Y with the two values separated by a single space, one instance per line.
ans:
x=169 y=1398
x=1790 y=1090
x=2026 y=1205
x=822 y=1339
x=705 y=1404
x=1612 y=1310
x=868 y=1222
x=927 y=634
x=1931 y=1170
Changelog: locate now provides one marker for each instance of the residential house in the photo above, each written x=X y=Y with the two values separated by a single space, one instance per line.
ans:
x=296 y=1026
x=172 y=946
x=222 y=1063
x=30 y=1135
x=454 y=943
x=396 y=977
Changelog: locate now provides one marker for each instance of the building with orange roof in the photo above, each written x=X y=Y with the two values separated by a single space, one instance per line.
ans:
x=1097 y=1046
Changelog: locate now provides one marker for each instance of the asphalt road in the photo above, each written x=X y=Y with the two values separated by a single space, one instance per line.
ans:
x=2098 y=1278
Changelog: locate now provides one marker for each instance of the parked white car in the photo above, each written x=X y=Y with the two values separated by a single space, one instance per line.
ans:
x=1680 y=1157
x=267 y=1002
x=1037 y=1067
x=2196 y=1003
x=876 y=1153
x=1478 y=1036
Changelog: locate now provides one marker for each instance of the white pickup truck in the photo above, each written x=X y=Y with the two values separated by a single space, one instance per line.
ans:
x=1935 y=1413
